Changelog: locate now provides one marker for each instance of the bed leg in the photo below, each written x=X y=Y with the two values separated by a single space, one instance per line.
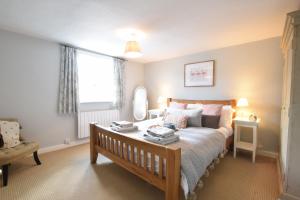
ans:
x=173 y=175
x=93 y=140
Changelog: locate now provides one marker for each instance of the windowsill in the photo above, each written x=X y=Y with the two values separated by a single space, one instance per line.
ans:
x=93 y=106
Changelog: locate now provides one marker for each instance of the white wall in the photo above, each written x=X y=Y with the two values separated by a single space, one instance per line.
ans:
x=29 y=78
x=252 y=70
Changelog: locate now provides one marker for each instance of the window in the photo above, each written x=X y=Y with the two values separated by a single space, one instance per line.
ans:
x=96 y=78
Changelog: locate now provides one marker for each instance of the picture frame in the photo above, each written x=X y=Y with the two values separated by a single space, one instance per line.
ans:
x=199 y=74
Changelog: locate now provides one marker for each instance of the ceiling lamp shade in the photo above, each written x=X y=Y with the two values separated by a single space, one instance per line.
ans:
x=132 y=49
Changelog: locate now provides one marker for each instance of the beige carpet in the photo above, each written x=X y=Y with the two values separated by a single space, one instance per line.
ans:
x=67 y=174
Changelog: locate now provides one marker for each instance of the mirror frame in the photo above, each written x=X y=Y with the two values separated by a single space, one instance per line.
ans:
x=146 y=102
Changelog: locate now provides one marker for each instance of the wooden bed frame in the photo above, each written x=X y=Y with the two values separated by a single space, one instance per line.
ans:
x=107 y=142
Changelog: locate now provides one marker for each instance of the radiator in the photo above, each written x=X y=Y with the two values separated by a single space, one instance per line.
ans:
x=102 y=117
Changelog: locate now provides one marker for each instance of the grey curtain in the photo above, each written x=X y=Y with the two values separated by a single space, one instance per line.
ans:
x=68 y=83
x=119 y=66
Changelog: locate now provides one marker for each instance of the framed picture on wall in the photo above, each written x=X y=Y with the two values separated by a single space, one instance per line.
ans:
x=200 y=74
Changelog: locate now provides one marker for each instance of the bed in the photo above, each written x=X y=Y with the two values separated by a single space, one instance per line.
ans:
x=171 y=168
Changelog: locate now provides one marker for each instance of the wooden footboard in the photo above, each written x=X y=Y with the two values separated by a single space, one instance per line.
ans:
x=130 y=153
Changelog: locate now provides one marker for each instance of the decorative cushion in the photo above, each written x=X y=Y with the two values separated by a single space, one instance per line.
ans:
x=212 y=109
x=176 y=105
x=180 y=121
x=194 y=116
x=226 y=117
x=10 y=132
x=210 y=121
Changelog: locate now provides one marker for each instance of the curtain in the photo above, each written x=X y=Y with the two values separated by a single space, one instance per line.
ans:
x=68 y=83
x=119 y=66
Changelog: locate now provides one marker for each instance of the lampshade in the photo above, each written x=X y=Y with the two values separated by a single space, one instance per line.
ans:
x=132 y=49
x=160 y=100
x=243 y=102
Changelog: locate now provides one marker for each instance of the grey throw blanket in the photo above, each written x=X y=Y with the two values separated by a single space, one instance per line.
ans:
x=199 y=147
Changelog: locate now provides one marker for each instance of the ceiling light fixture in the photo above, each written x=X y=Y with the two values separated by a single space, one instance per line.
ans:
x=132 y=46
x=132 y=49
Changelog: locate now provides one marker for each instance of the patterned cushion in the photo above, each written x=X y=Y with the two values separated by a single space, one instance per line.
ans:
x=10 y=132
x=180 y=121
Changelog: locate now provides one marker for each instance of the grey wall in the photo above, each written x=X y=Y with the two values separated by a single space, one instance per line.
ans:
x=29 y=77
x=29 y=72
x=134 y=76
x=252 y=70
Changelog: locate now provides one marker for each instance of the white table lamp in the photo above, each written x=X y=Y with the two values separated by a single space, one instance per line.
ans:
x=161 y=102
x=242 y=103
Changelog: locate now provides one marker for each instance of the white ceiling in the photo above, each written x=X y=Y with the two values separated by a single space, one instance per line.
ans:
x=172 y=27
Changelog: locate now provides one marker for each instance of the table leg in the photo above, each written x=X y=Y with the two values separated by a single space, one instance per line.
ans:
x=254 y=143
x=236 y=131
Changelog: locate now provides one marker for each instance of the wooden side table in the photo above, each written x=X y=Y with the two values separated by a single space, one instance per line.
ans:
x=154 y=113
x=238 y=144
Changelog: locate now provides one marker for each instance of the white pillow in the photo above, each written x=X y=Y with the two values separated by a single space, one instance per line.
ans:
x=10 y=132
x=226 y=117
x=196 y=106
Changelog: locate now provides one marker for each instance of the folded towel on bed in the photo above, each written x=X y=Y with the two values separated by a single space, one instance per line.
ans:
x=122 y=124
x=128 y=129
x=160 y=140
x=159 y=131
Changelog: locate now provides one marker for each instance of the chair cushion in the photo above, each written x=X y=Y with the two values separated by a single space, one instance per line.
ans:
x=10 y=154
x=10 y=132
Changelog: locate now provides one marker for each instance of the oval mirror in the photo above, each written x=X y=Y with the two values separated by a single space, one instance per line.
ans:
x=140 y=103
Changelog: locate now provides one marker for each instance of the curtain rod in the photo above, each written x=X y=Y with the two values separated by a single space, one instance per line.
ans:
x=91 y=51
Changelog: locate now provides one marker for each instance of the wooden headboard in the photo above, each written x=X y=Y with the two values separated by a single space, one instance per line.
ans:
x=231 y=102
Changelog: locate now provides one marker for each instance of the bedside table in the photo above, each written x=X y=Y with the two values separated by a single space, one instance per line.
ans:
x=238 y=144
x=154 y=113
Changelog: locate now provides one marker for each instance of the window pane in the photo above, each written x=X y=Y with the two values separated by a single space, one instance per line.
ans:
x=96 y=78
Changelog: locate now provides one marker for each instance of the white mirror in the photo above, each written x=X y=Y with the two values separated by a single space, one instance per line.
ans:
x=140 y=103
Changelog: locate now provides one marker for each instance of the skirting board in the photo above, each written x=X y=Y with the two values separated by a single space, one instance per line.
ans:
x=267 y=154
x=63 y=146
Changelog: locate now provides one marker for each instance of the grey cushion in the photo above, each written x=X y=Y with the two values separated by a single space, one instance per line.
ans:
x=194 y=117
